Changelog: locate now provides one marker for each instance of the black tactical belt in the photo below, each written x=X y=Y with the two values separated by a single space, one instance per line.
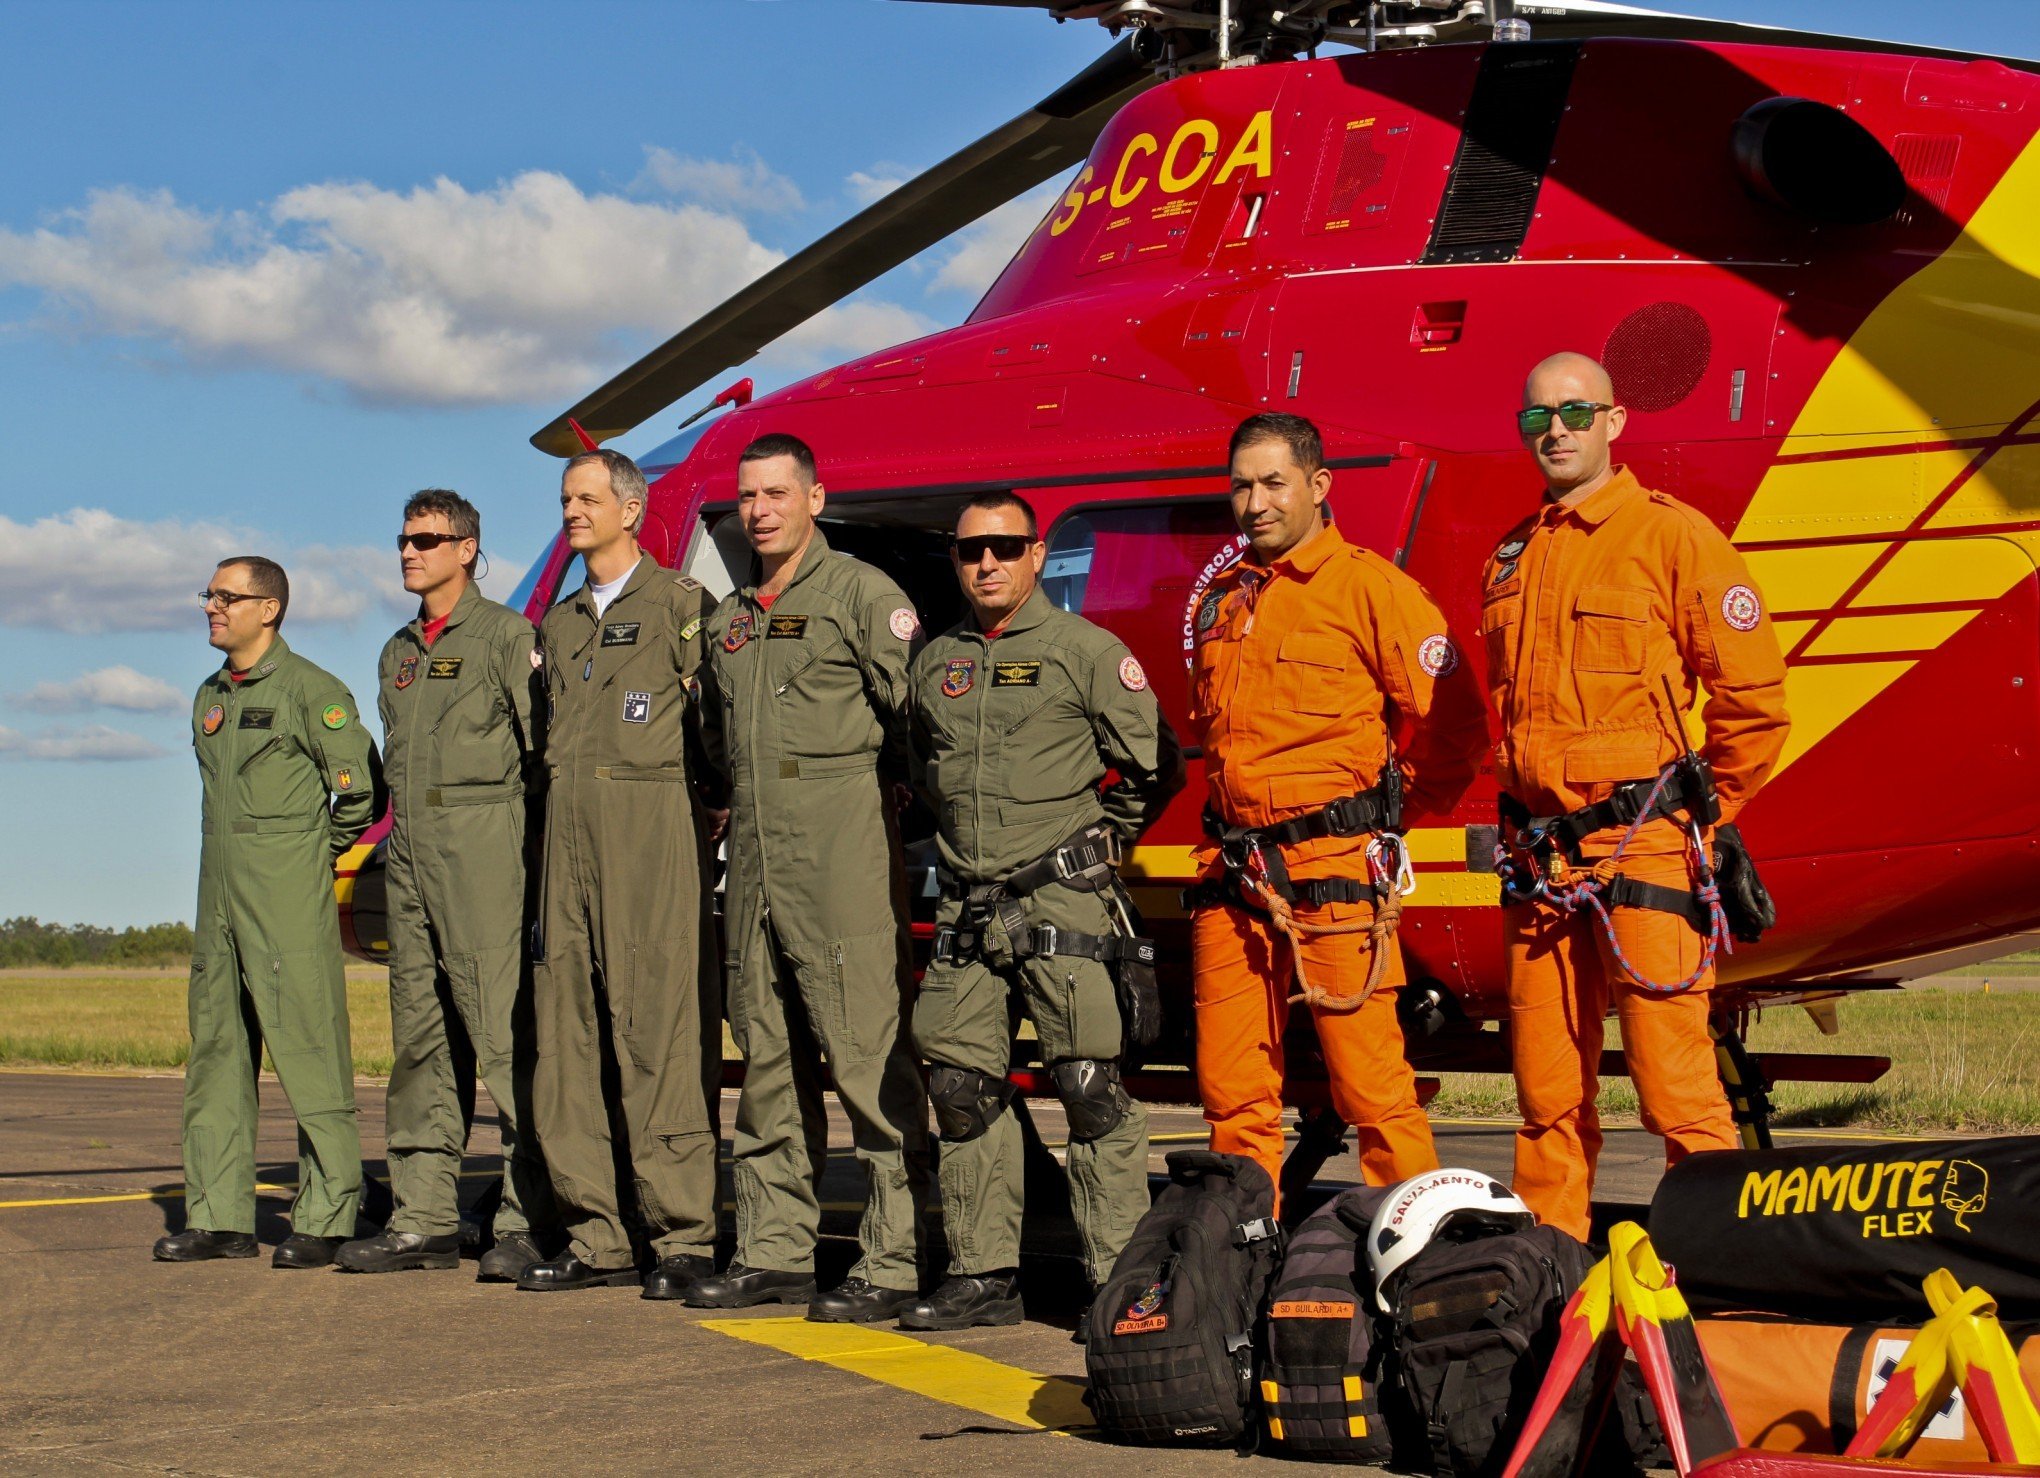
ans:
x=1350 y=816
x=959 y=946
x=1224 y=892
x=1624 y=891
x=1243 y=847
x=1087 y=862
x=1622 y=807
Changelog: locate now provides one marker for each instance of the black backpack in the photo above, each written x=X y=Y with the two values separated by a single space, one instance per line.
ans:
x=1475 y=1323
x=1321 y=1386
x=1171 y=1334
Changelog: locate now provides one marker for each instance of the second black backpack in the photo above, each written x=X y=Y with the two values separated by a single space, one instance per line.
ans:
x=1171 y=1334
x=1474 y=1326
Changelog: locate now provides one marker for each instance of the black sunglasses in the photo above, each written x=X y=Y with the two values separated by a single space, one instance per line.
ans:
x=1577 y=415
x=424 y=541
x=1005 y=547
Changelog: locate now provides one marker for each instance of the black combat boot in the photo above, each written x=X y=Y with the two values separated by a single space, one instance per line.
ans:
x=968 y=1300
x=739 y=1287
x=196 y=1244
x=507 y=1260
x=303 y=1250
x=675 y=1275
x=858 y=1301
x=393 y=1252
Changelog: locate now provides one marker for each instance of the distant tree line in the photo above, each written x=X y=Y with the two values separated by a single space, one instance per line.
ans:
x=27 y=941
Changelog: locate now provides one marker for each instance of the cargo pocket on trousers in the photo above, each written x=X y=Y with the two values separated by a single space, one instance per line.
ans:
x=650 y=1009
x=1662 y=946
x=308 y=1035
x=868 y=992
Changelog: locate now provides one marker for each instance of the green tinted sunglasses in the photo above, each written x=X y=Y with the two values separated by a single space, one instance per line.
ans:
x=1578 y=415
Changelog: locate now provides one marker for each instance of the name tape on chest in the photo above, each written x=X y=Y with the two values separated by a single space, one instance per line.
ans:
x=444 y=668
x=620 y=633
x=258 y=718
x=637 y=708
x=785 y=628
x=1016 y=674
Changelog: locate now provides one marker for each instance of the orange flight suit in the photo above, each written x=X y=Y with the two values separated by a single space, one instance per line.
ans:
x=1300 y=672
x=1586 y=611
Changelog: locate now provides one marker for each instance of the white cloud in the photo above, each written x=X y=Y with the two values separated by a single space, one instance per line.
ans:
x=868 y=187
x=87 y=570
x=744 y=183
x=93 y=742
x=107 y=687
x=982 y=249
x=528 y=291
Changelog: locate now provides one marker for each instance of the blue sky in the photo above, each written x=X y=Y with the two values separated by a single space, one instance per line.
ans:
x=266 y=268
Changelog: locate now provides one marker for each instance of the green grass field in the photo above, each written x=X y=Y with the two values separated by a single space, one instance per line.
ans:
x=1963 y=1058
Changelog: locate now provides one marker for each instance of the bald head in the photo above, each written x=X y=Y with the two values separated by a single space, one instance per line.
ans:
x=1574 y=461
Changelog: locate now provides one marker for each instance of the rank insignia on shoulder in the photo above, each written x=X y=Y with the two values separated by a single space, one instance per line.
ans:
x=785 y=628
x=265 y=718
x=904 y=623
x=739 y=632
x=407 y=672
x=692 y=629
x=442 y=667
x=958 y=677
x=1016 y=674
x=1131 y=676
x=637 y=708
x=343 y=779
x=214 y=717
x=335 y=717
x=620 y=633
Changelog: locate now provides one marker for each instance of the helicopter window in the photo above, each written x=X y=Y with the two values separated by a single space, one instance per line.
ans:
x=1069 y=563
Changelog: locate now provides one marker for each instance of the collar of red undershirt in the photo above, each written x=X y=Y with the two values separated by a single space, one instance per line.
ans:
x=996 y=631
x=765 y=601
x=428 y=631
x=236 y=677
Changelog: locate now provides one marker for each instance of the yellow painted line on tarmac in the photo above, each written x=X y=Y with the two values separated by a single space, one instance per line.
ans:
x=954 y=1377
x=176 y=1195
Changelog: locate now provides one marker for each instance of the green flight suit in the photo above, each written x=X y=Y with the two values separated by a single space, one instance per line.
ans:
x=459 y=744
x=290 y=779
x=629 y=1023
x=1012 y=737
x=807 y=718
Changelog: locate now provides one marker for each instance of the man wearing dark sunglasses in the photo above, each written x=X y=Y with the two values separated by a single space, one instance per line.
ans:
x=1603 y=614
x=290 y=781
x=1019 y=711
x=459 y=692
x=804 y=703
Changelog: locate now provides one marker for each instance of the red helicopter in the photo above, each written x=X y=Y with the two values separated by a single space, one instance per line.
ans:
x=1811 y=263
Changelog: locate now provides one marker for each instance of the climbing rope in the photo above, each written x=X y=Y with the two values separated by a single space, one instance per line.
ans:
x=1380 y=929
x=1569 y=896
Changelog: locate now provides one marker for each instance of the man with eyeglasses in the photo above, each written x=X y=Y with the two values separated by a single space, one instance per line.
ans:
x=1019 y=711
x=805 y=708
x=629 y=1051
x=459 y=693
x=1332 y=702
x=1603 y=613
x=291 y=780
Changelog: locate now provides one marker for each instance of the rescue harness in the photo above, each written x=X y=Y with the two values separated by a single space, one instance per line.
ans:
x=1087 y=862
x=1539 y=860
x=1256 y=879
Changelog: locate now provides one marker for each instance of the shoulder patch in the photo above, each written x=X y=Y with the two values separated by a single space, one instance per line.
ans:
x=1131 y=676
x=904 y=624
x=335 y=717
x=1741 y=608
x=692 y=629
x=1438 y=656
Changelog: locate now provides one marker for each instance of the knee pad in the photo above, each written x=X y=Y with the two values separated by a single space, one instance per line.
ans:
x=1090 y=1095
x=967 y=1103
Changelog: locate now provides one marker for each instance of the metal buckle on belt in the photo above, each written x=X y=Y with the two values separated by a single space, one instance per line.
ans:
x=1046 y=939
x=1344 y=817
x=1079 y=858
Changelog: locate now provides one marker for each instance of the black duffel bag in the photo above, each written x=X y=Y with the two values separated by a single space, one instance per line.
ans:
x=1846 y=1233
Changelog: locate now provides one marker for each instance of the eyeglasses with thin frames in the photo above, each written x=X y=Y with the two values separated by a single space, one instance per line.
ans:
x=226 y=600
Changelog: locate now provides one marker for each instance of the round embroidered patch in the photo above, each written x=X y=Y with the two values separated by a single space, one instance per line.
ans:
x=1131 y=677
x=1207 y=609
x=214 y=716
x=1437 y=656
x=335 y=717
x=1740 y=608
x=905 y=624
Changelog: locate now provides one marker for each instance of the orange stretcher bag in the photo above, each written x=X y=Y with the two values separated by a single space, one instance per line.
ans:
x=1797 y=1387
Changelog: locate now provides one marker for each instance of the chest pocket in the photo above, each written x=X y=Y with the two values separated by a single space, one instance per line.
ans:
x=1314 y=673
x=1020 y=718
x=1608 y=629
x=1498 y=624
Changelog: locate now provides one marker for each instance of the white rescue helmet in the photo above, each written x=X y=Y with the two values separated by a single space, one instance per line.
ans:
x=1416 y=1210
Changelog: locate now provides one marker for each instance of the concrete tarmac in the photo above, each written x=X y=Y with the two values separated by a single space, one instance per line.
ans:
x=110 y=1362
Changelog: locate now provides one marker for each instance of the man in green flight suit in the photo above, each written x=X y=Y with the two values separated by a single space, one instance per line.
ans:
x=1019 y=711
x=457 y=689
x=629 y=1045
x=290 y=780
x=805 y=711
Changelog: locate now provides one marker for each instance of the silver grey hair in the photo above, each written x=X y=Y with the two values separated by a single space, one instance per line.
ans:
x=625 y=480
